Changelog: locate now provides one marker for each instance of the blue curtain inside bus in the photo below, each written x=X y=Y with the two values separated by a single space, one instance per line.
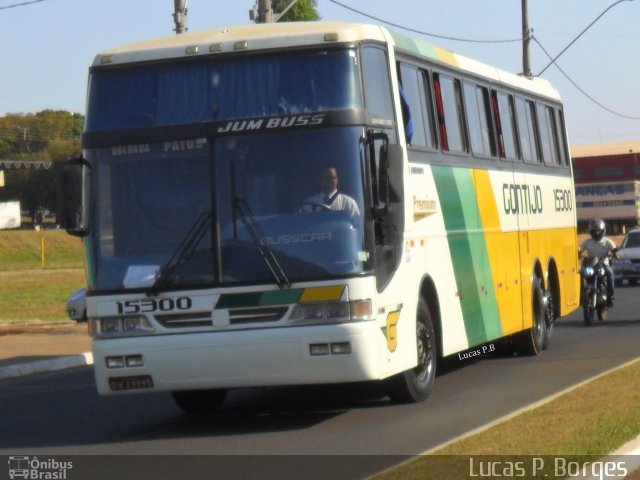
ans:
x=200 y=91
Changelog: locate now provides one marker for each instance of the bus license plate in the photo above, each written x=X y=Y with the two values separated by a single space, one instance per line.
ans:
x=130 y=383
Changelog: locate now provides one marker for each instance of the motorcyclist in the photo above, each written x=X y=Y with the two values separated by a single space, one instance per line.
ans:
x=599 y=246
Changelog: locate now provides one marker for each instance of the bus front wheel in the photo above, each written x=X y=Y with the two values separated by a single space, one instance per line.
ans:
x=415 y=385
x=200 y=402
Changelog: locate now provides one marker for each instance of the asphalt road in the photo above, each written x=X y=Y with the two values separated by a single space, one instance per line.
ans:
x=282 y=431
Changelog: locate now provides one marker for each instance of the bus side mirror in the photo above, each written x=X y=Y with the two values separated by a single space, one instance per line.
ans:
x=71 y=209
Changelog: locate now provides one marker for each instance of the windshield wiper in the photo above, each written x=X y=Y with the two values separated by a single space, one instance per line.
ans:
x=261 y=242
x=182 y=253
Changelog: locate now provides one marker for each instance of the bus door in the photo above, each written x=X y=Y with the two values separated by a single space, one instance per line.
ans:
x=525 y=197
x=503 y=229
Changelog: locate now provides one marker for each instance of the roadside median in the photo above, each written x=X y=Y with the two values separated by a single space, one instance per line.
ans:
x=46 y=365
x=26 y=349
x=595 y=421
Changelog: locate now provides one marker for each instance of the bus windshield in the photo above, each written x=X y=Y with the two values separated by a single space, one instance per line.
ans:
x=180 y=93
x=149 y=196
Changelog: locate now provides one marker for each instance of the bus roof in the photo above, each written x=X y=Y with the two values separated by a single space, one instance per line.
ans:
x=427 y=49
x=293 y=34
x=230 y=39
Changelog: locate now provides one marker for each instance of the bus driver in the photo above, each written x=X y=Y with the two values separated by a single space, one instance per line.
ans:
x=329 y=198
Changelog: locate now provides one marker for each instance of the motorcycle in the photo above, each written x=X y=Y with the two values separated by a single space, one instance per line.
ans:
x=594 y=289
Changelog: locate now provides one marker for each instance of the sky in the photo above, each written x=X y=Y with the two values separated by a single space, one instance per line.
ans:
x=47 y=47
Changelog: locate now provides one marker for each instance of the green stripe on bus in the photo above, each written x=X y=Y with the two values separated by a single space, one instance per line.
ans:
x=451 y=202
x=239 y=300
x=481 y=267
x=414 y=45
x=281 y=297
x=479 y=252
x=257 y=299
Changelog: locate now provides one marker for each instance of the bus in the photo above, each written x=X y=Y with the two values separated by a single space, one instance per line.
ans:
x=212 y=263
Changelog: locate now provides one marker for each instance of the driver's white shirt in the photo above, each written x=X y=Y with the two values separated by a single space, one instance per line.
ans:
x=340 y=203
x=599 y=248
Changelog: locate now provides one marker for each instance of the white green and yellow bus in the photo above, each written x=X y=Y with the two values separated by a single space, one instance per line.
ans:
x=211 y=264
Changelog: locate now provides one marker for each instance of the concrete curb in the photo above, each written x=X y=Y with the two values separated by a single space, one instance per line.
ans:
x=22 y=328
x=630 y=448
x=629 y=453
x=42 y=366
x=627 y=456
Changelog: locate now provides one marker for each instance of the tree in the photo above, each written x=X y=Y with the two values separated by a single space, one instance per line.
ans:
x=49 y=136
x=302 y=10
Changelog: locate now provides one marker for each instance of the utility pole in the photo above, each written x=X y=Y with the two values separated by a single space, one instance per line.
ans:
x=180 y=16
x=265 y=12
x=526 y=38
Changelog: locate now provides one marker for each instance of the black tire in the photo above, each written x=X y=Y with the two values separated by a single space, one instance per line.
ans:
x=415 y=385
x=200 y=402
x=633 y=281
x=587 y=311
x=531 y=341
x=549 y=318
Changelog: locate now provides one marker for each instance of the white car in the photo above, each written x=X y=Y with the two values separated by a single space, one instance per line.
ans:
x=77 y=305
x=628 y=266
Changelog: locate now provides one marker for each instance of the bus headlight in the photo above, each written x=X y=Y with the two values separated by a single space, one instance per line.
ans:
x=331 y=312
x=124 y=326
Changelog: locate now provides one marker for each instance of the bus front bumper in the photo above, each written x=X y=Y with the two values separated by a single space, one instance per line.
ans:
x=242 y=358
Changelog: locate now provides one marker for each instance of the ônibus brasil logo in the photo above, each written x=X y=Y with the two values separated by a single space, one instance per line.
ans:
x=33 y=468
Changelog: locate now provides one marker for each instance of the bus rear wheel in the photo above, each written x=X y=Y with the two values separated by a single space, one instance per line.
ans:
x=200 y=402
x=415 y=385
x=532 y=341
x=549 y=317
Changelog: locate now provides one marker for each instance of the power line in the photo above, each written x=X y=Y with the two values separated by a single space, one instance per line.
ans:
x=428 y=34
x=580 y=34
x=21 y=4
x=580 y=89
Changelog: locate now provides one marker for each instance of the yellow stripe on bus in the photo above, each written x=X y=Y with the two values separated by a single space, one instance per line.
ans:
x=446 y=56
x=503 y=252
x=322 y=294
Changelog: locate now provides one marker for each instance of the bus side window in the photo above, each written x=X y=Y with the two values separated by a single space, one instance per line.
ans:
x=505 y=117
x=442 y=127
x=427 y=105
x=481 y=137
x=553 y=132
x=562 y=137
x=450 y=114
x=406 y=112
x=414 y=93
x=547 y=137
x=377 y=86
x=527 y=130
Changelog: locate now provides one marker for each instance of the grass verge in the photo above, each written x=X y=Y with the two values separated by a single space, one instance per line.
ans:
x=37 y=296
x=30 y=291
x=22 y=250
x=592 y=420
